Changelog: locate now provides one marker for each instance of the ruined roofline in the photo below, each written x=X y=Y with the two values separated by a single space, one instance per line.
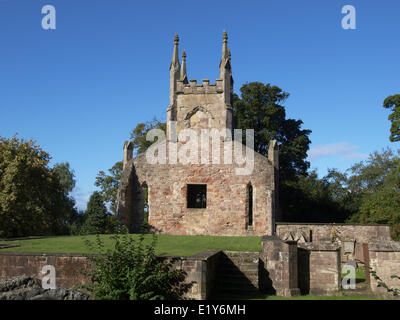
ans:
x=205 y=87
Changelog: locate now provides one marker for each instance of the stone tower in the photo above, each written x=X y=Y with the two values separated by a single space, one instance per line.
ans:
x=199 y=106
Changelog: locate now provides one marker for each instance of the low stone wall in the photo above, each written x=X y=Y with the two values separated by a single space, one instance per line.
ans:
x=384 y=258
x=30 y=264
x=314 y=232
x=200 y=269
x=319 y=268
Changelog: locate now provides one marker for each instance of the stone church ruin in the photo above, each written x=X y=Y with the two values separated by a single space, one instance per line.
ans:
x=198 y=198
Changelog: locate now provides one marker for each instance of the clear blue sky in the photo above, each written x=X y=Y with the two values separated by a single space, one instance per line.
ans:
x=80 y=89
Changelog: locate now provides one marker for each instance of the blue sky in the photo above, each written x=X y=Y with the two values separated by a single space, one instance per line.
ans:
x=80 y=89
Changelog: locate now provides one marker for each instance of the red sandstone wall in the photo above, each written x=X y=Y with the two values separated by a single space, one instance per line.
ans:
x=30 y=264
x=227 y=201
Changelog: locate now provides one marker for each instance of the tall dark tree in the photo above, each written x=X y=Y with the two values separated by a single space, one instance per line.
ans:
x=259 y=108
x=96 y=215
x=393 y=103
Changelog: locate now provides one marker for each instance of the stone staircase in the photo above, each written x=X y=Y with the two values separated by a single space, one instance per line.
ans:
x=362 y=289
x=237 y=275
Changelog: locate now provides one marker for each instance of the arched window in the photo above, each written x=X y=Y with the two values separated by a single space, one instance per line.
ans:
x=250 y=202
x=145 y=190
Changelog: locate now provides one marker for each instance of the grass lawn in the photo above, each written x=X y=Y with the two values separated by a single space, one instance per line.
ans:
x=304 y=297
x=166 y=245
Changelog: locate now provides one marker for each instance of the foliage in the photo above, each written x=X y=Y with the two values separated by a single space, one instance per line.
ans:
x=96 y=215
x=375 y=187
x=260 y=108
x=311 y=199
x=66 y=176
x=138 y=134
x=393 y=103
x=132 y=271
x=33 y=200
x=109 y=184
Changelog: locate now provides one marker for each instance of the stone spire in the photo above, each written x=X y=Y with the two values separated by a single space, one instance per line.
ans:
x=174 y=71
x=225 y=50
x=226 y=56
x=225 y=74
x=184 y=77
x=175 y=54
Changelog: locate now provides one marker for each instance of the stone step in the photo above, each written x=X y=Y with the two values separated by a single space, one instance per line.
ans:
x=237 y=283
x=234 y=288
x=241 y=268
x=239 y=260
x=238 y=275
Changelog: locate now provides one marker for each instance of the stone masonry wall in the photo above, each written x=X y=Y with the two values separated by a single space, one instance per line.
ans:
x=279 y=261
x=322 y=274
x=200 y=269
x=226 y=212
x=322 y=232
x=385 y=260
x=30 y=264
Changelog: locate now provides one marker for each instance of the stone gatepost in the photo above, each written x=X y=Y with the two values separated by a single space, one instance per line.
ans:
x=384 y=259
x=279 y=267
x=324 y=267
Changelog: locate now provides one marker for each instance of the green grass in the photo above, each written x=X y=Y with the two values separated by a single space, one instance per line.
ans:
x=166 y=245
x=303 y=297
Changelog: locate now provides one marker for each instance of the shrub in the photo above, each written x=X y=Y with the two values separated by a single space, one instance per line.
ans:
x=132 y=271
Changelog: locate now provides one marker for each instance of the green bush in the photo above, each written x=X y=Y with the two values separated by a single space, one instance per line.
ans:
x=132 y=271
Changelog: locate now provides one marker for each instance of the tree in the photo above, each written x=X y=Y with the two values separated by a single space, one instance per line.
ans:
x=138 y=135
x=32 y=199
x=393 y=103
x=96 y=215
x=375 y=184
x=66 y=176
x=259 y=108
x=311 y=199
x=109 y=184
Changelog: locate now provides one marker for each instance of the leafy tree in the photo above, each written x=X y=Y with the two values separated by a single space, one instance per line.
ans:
x=32 y=198
x=138 y=135
x=311 y=199
x=259 y=108
x=96 y=215
x=132 y=271
x=66 y=176
x=393 y=103
x=109 y=184
x=375 y=185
